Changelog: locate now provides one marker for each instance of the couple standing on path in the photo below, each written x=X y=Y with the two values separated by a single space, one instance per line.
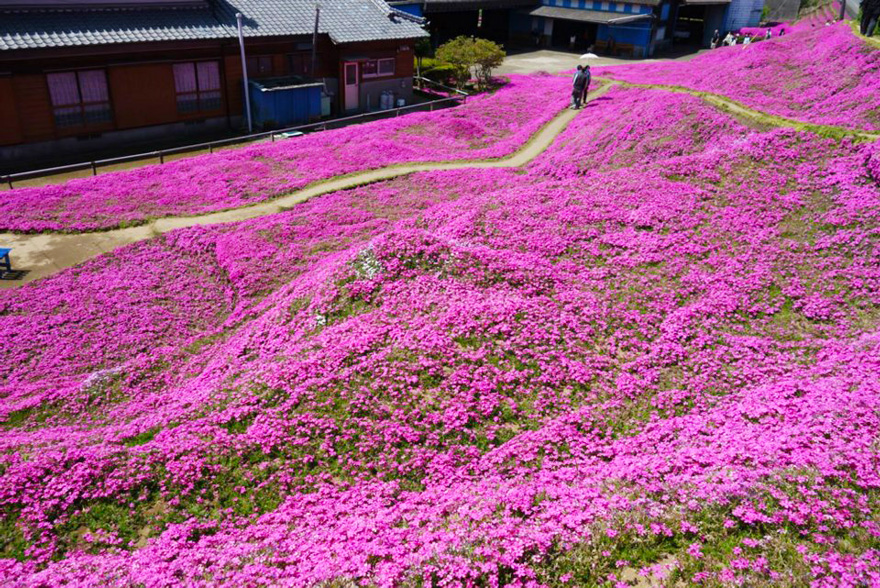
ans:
x=580 y=85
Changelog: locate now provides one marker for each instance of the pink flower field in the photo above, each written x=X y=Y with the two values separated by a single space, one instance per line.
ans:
x=815 y=74
x=650 y=357
x=485 y=127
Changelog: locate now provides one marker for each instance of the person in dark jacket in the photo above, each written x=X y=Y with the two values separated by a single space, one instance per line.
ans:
x=716 y=37
x=589 y=78
x=578 y=82
x=870 y=17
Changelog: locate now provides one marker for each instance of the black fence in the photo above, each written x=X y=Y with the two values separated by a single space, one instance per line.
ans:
x=453 y=97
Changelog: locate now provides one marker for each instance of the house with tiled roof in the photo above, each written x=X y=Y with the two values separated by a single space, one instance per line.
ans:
x=636 y=28
x=81 y=75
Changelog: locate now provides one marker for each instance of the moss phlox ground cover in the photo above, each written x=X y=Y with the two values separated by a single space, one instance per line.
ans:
x=652 y=352
x=817 y=75
x=487 y=126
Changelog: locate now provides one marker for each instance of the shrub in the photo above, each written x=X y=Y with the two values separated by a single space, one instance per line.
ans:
x=458 y=54
x=440 y=73
x=471 y=57
x=488 y=56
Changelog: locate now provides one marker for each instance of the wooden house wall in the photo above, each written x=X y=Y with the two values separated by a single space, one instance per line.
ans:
x=34 y=109
x=142 y=95
x=141 y=81
x=10 y=129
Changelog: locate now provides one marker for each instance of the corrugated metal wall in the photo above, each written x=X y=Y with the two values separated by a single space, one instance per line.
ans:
x=743 y=13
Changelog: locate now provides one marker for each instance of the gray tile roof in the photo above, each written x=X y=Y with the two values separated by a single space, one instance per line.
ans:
x=345 y=21
x=67 y=28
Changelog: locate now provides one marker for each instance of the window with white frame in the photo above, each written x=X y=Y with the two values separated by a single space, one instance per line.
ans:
x=387 y=67
x=197 y=86
x=376 y=68
x=80 y=98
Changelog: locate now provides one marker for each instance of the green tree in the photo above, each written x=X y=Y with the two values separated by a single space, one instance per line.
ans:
x=471 y=57
x=487 y=56
x=422 y=49
x=459 y=54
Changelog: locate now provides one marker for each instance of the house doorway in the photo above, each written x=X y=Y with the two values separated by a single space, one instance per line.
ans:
x=584 y=34
x=352 y=86
x=695 y=23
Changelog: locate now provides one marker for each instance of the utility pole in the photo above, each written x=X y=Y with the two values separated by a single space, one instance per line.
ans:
x=315 y=40
x=247 y=95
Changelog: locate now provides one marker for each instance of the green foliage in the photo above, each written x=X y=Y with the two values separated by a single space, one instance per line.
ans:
x=17 y=418
x=469 y=57
x=142 y=438
x=12 y=541
x=422 y=50
x=440 y=73
x=487 y=56
x=458 y=54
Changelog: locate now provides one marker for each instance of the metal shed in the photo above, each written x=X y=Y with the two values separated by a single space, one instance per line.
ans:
x=284 y=102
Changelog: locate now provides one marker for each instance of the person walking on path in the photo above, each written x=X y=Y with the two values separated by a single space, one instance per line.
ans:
x=715 y=38
x=578 y=82
x=729 y=39
x=589 y=78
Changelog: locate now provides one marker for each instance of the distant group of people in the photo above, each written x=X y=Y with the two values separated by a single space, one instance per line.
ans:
x=580 y=85
x=730 y=39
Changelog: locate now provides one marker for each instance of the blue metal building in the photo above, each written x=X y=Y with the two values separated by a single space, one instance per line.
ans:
x=284 y=102
x=636 y=28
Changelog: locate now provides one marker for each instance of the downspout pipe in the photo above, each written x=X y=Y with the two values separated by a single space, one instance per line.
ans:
x=247 y=95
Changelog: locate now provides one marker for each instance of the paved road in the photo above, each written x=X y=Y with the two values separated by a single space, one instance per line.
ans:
x=553 y=61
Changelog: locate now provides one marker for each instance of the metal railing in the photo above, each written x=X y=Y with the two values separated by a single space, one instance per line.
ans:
x=420 y=82
x=456 y=97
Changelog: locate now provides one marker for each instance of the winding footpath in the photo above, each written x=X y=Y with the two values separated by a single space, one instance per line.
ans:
x=45 y=254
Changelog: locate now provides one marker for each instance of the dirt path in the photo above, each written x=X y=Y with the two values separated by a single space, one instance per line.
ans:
x=738 y=109
x=45 y=254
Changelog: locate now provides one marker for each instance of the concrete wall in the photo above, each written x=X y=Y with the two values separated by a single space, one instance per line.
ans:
x=713 y=20
x=785 y=10
x=371 y=91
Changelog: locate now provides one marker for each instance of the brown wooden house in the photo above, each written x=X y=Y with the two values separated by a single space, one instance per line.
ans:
x=79 y=79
